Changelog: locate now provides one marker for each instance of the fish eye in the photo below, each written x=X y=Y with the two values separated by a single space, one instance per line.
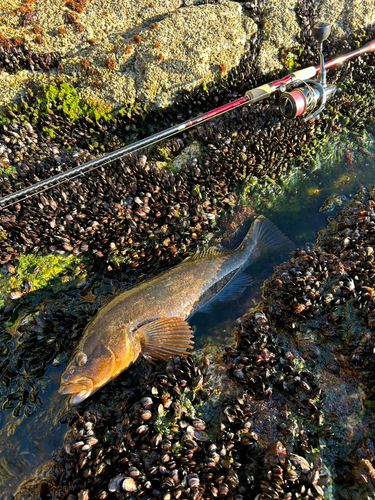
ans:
x=81 y=359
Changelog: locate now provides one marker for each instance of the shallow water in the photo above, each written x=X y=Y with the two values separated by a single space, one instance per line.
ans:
x=297 y=214
x=33 y=420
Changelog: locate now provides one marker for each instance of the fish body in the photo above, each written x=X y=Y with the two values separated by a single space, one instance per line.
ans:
x=150 y=318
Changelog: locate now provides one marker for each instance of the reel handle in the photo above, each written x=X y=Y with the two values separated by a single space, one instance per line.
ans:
x=321 y=32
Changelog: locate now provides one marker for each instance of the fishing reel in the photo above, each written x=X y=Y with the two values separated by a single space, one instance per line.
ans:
x=307 y=95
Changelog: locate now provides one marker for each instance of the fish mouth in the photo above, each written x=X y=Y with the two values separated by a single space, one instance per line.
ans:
x=78 y=398
x=80 y=390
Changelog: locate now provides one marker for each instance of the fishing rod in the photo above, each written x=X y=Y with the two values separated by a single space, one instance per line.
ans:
x=300 y=95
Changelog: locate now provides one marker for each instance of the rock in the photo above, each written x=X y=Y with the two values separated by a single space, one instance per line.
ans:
x=187 y=49
x=280 y=28
x=158 y=49
x=127 y=51
x=346 y=15
x=280 y=25
x=194 y=150
x=364 y=474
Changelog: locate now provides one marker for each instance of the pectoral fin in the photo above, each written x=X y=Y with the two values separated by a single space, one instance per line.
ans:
x=165 y=337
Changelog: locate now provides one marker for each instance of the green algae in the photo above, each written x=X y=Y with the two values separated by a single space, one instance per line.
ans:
x=164 y=153
x=9 y=170
x=56 y=271
x=56 y=98
x=195 y=191
x=163 y=424
x=61 y=96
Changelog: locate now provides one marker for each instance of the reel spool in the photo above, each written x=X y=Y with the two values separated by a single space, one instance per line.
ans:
x=305 y=99
x=309 y=94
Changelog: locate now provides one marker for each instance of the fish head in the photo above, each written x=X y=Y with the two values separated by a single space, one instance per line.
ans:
x=90 y=366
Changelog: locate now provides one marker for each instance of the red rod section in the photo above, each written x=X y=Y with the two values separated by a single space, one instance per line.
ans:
x=369 y=47
x=215 y=112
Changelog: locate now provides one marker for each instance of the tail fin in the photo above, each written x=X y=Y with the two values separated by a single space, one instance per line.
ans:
x=261 y=235
x=264 y=234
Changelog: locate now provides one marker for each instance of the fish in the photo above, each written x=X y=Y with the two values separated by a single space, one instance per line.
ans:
x=150 y=319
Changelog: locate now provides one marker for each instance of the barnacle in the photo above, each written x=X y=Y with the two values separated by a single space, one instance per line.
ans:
x=84 y=64
x=27 y=19
x=26 y=6
x=110 y=63
x=222 y=68
x=96 y=84
x=3 y=39
x=69 y=17
x=76 y=5
x=79 y=27
x=17 y=40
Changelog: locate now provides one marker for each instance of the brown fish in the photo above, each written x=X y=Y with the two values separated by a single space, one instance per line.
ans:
x=150 y=318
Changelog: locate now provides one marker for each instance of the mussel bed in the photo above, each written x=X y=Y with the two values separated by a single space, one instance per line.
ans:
x=258 y=424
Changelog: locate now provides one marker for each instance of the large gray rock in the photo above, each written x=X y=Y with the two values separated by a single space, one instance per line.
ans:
x=196 y=45
x=280 y=28
x=179 y=47
x=347 y=15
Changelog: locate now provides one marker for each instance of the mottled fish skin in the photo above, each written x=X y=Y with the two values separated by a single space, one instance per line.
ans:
x=114 y=338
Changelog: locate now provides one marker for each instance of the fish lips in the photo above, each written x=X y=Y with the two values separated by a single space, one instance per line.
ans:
x=80 y=390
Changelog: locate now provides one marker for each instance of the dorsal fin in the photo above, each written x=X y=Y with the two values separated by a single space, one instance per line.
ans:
x=209 y=253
